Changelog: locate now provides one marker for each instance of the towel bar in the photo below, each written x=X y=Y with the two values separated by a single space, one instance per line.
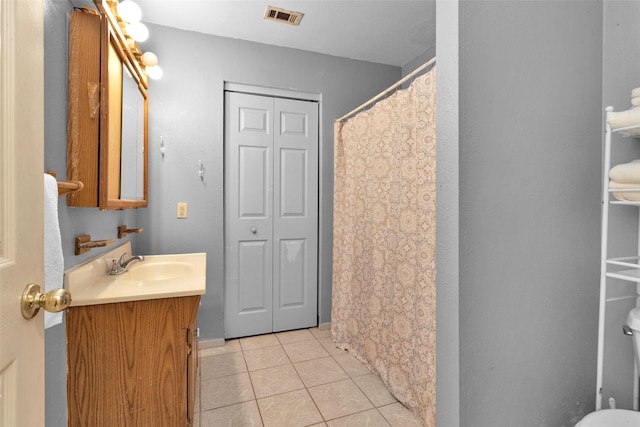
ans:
x=123 y=231
x=85 y=244
x=67 y=186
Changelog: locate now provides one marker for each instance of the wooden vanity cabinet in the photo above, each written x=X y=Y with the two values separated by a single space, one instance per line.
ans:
x=132 y=364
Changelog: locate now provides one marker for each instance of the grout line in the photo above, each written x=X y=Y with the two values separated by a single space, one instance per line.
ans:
x=306 y=389
x=255 y=396
x=360 y=412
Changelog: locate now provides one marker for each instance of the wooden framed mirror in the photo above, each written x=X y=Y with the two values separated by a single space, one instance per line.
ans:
x=124 y=107
x=108 y=113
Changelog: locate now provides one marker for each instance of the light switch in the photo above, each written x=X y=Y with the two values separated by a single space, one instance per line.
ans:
x=182 y=210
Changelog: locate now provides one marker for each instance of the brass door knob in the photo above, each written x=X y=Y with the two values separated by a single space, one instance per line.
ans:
x=33 y=300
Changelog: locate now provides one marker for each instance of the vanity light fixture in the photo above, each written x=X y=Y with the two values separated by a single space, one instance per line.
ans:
x=138 y=31
x=150 y=60
x=131 y=14
x=128 y=14
x=154 y=72
x=129 y=11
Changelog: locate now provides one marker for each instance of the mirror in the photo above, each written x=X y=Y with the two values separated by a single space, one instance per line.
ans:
x=123 y=165
x=132 y=137
x=108 y=114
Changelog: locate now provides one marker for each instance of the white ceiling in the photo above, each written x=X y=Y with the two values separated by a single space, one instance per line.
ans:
x=390 y=32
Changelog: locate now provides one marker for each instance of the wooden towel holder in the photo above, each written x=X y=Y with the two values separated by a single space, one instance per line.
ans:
x=85 y=244
x=123 y=231
x=68 y=186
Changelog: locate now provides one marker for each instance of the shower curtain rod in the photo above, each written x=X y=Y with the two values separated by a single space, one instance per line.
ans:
x=389 y=89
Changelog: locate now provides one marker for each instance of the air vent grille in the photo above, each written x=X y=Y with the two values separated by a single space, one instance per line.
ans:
x=283 y=15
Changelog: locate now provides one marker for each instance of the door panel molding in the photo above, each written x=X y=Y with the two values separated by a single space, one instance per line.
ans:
x=293 y=198
x=294 y=124
x=253 y=167
x=254 y=120
x=292 y=271
x=252 y=256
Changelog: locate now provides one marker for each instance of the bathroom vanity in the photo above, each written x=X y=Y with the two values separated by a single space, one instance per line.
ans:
x=131 y=340
x=132 y=363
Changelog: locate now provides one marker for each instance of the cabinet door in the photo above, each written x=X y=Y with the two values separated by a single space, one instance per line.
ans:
x=192 y=369
x=84 y=100
x=127 y=363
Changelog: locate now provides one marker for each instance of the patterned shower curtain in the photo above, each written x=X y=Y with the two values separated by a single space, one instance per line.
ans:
x=384 y=290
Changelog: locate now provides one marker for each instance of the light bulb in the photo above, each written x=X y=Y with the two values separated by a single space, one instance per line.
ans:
x=149 y=59
x=138 y=31
x=129 y=11
x=154 y=72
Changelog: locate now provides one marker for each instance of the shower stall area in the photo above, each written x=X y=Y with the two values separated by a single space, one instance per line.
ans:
x=384 y=266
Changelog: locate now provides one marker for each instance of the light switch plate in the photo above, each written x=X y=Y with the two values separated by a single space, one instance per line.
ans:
x=182 y=210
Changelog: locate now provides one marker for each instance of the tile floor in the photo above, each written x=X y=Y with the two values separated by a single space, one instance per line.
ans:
x=295 y=378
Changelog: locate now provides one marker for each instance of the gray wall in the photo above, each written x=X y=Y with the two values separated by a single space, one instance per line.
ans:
x=419 y=60
x=530 y=144
x=186 y=110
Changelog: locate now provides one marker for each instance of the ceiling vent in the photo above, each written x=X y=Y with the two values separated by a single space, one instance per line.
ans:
x=282 y=15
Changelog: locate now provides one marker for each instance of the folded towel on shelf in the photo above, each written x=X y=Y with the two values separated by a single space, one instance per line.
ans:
x=635 y=92
x=628 y=173
x=623 y=119
x=628 y=195
x=635 y=102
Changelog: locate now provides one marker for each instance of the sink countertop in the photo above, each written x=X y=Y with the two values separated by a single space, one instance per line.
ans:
x=158 y=276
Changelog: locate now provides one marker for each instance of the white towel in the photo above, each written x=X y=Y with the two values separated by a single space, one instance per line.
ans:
x=626 y=196
x=622 y=119
x=53 y=259
x=626 y=173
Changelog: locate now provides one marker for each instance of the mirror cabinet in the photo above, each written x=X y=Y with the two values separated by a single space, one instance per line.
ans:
x=107 y=113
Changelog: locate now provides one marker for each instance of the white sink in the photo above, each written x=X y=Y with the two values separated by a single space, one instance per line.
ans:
x=159 y=268
x=158 y=276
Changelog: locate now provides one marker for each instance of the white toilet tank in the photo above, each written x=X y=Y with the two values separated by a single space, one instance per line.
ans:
x=633 y=320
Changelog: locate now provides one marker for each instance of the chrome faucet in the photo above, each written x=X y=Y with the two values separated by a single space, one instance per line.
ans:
x=121 y=265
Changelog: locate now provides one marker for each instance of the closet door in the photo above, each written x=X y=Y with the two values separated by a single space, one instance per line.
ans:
x=248 y=215
x=295 y=214
x=271 y=214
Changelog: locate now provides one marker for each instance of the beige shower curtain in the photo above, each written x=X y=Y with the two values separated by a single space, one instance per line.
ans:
x=384 y=303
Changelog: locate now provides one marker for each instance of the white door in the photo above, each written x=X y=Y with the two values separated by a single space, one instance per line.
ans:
x=271 y=214
x=21 y=203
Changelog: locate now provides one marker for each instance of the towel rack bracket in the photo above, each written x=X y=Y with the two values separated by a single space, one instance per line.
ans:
x=84 y=244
